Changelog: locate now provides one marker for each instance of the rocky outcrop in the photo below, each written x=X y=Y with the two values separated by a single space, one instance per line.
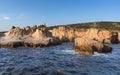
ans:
x=14 y=34
x=40 y=36
x=87 y=46
x=98 y=35
x=29 y=37
x=65 y=34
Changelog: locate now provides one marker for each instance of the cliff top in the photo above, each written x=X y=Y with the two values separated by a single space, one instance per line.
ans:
x=99 y=25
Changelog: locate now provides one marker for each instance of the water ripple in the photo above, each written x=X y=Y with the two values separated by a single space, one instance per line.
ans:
x=58 y=60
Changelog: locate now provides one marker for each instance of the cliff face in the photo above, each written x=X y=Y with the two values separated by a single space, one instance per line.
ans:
x=69 y=34
x=28 y=37
x=64 y=33
x=98 y=35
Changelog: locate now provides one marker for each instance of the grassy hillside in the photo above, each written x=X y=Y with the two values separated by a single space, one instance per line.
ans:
x=99 y=25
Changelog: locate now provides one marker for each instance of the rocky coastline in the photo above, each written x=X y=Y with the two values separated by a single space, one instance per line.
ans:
x=86 y=40
x=96 y=38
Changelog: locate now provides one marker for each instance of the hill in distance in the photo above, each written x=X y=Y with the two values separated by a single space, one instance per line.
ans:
x=99 y=25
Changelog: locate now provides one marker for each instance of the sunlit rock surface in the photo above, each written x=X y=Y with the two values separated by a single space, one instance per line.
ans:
x=29 y=37
x=88 y=46
x=65 y=33
x=40 y=36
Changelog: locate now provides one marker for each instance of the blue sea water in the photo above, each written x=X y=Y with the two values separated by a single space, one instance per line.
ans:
x=58 y=60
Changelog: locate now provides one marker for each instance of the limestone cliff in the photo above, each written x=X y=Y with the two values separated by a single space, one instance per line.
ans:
x=65 y=33
x=98 y=35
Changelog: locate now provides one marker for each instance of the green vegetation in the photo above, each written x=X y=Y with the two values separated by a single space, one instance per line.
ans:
x=98 y=25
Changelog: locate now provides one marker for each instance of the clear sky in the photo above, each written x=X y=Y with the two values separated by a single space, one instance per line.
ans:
x=53 y=12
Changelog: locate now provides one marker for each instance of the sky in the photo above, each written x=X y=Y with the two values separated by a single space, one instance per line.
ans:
x=22 y=13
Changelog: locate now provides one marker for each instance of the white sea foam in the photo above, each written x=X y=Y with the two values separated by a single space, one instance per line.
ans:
x=68 y=51
x=98 y=54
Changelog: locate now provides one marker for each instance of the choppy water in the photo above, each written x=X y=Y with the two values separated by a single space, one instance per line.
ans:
x=57 y=60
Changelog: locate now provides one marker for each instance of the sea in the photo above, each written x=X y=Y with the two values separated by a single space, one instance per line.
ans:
x=58 y=60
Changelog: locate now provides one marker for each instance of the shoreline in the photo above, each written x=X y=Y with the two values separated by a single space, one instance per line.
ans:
x=42 y=36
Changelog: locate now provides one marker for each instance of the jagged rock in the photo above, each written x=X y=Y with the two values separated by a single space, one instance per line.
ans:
x=14 y=33
x=28 y=37
x=27 y=30
x=41 y=38
x=88 y=46
x=13 y=27
x=42 y=27
x=39 y=34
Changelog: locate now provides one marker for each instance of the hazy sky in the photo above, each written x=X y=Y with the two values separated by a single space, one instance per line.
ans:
x=52 y=12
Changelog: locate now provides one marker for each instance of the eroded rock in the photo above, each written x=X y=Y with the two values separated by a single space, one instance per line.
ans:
x=67 y=34
x=28 y=37
x=98 y=35
x=63 y=33
x=88 y=46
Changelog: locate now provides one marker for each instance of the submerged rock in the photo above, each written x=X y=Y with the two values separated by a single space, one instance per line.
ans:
x=88 y=46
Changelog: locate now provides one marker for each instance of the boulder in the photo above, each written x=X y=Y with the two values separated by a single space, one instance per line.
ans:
x=88 y=46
